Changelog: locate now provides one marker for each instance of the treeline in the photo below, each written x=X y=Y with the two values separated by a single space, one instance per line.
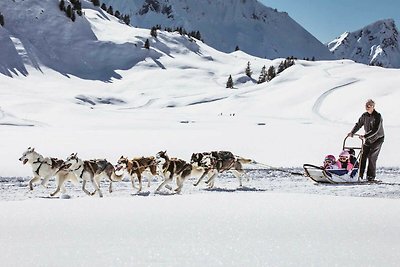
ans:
x=266 y=75
x=75 y=6
x=183 y=31
x=116 y=13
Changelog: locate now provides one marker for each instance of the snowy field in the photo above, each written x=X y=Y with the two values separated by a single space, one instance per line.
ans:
x=135 y=102
x=274 y=220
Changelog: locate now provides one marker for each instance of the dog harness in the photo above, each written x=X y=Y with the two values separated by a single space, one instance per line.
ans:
x=40 y=165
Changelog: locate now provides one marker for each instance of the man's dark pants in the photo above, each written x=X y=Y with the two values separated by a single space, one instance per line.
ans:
x=370 y=152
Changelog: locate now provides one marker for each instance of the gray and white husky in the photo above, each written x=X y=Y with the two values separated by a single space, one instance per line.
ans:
x=93 y=171
x=45 y=168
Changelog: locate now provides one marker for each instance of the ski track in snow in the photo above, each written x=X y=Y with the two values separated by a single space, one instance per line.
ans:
x=318 y=103
x=261 y=181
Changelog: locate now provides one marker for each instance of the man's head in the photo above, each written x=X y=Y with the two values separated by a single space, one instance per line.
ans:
x=370 y=106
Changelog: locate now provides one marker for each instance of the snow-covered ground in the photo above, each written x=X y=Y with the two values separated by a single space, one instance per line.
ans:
x=259 y=225
x=173 y=98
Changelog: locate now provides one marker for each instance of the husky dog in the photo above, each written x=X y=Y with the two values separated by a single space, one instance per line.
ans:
x=45 y=167
x=93 y=171
x=219 y=161
x=137 y=167
x=170 y=167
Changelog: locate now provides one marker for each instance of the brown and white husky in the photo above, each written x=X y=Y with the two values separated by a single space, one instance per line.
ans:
x=137 y=167
x=93 y=171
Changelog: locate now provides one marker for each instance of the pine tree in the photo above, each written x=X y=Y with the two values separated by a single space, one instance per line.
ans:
x=153 y=32
x=62 y=5
x=248 y=70
x=127 y=19
x=263 y=75
x=198 y=35
x=96 y=2
x=147 y=44
x=1 y=19
x=271 y=73
x=237 y=48
x=117 y=14
x=281 y=67
x=104 y=7
x=110 y=10
x=73 y=17
x=68 y=11
x=229 y=83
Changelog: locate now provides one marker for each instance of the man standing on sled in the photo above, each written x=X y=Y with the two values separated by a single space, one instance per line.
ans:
x=374 y=137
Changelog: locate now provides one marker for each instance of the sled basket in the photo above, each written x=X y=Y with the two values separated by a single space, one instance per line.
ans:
x=322 y=175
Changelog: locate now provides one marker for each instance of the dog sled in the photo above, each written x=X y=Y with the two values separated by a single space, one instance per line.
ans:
x=320 y=174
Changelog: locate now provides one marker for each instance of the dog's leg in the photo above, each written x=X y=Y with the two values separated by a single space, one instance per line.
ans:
x=210 y=181
x=34 y=179
x=179 y=184
x=85 y=190
x=45 y=181
x=139 y=176
x=59 y=181
x=179 y=181
x=165 y=182
x=132 y=176
x=238 y=175
x=201 y=178
x=162 y=184
x=110 y=187
x=96 y=184
x=149 y=177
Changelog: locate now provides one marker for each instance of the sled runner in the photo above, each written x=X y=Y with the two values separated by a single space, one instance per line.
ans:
x=336 y=176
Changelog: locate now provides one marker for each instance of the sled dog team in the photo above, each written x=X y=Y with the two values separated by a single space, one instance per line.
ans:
x=202 y=165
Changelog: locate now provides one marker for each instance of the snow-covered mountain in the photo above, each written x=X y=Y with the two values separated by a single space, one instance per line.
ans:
x=37 y=33
x=376 y=44
x=224 y=24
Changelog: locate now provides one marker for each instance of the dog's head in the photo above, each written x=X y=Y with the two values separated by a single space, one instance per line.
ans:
x=122 y=163
x=161 y=154
x=207 y=161
x=71 y=161
x=29 y=154
x=196 y=158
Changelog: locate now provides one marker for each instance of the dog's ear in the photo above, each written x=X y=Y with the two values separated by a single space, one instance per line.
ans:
x=122 y=157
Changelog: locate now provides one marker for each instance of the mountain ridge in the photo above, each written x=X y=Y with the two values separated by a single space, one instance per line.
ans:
x=375 y=44
x=256 y=29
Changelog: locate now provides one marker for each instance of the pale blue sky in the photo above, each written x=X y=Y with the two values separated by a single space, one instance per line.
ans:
x=328 y=19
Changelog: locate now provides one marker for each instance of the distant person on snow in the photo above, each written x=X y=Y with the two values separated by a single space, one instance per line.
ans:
x=344 y=161
x=374 y=137
x=330 y=162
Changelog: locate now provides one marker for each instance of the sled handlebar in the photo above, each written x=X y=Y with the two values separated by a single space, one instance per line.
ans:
x=359 y=136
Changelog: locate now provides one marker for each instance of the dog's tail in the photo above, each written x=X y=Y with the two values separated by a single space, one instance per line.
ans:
x=244 y=160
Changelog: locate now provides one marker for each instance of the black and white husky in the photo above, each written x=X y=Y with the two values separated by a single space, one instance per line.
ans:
x=92 y=171
x=45 y=168
x=173 y=167
x=216 y=162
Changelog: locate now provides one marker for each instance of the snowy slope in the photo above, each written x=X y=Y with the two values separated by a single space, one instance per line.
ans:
x=45 y=36
x=120 y=99
x=376 y=44
x=177 y=80
x=256 y=29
